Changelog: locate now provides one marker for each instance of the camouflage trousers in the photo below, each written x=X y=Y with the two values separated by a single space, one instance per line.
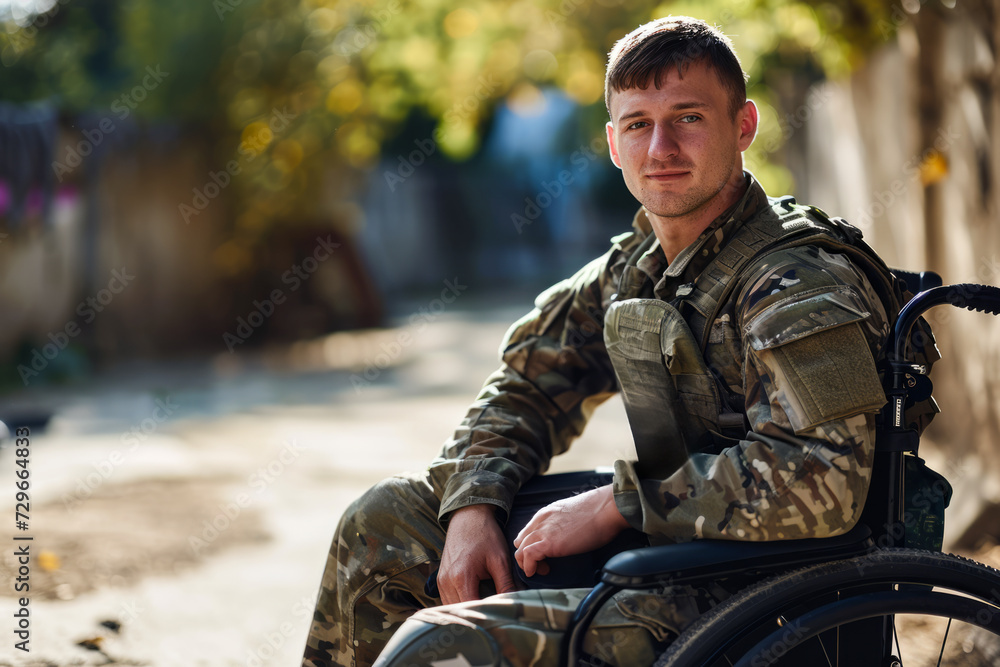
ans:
x=387 y=545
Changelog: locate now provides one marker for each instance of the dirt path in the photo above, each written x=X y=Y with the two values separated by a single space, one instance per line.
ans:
x=181 y=513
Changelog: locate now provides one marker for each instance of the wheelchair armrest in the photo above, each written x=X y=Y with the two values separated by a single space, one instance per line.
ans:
x=680 y=563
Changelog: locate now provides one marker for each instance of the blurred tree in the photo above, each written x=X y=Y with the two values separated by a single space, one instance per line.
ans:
x=299 y=96
x=85 y=54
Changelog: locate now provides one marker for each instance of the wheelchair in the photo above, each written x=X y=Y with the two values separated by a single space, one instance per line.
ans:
x=829 y=601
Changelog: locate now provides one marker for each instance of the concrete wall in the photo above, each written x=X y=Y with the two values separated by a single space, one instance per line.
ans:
x=917 y=170
x=129 y=279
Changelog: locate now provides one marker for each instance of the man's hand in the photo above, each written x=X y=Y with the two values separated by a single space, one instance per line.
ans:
x=474 y=550
x=568 y=527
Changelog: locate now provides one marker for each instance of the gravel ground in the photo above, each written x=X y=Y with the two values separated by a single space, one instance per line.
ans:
x=181 y=513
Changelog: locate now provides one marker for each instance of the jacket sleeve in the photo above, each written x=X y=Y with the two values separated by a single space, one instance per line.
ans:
x=555 y=371
x=810 y=329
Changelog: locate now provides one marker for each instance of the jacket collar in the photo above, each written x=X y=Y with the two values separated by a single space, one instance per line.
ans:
x=693 y=259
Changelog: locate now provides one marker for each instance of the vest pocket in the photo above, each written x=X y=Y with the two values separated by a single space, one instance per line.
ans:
x=829 y=375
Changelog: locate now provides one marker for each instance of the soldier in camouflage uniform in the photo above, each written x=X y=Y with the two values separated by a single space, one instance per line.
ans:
x=749 y=378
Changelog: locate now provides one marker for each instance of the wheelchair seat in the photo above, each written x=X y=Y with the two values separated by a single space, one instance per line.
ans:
x=681 y=563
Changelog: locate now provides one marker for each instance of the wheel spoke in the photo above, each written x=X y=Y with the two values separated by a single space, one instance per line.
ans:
x=943 y=642
x=892 y=583
x=823 y=646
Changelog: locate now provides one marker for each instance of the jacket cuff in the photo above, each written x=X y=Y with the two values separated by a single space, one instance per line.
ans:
x=628 y=497
x=477 y=487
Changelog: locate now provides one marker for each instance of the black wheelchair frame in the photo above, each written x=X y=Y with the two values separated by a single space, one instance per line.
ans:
x=844 y=590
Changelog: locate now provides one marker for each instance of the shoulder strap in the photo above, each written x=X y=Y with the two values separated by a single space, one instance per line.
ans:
x=785 y=225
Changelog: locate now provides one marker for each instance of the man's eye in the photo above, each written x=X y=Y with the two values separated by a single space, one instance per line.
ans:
x=636 y=125
x=691 y=118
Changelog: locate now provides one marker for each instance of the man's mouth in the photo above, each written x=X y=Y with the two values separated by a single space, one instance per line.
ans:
x=666 y=176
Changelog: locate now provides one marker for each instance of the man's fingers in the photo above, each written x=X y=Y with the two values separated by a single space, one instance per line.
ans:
x=459 y=589
x=446 y=597
x=463 y=594
x=446 y=590
x=523 y=542
x=502 y=578
x=538 y=566
x=534 y=524
x=469 y=589
x=530 y=556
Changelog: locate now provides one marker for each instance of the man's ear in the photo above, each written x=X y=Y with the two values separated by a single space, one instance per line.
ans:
x=612 y=148
x=748 y=119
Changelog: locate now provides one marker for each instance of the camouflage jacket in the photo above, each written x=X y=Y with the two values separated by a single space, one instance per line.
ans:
x=806 y=384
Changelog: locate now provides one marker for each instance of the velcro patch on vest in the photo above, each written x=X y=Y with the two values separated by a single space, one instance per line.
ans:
x=824 y=376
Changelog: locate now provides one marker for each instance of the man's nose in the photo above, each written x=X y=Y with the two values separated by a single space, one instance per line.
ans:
x=663 y=143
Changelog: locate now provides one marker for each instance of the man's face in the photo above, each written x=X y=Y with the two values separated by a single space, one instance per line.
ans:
x=678 y=146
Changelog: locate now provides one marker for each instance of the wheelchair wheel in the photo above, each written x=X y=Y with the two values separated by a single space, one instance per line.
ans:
x=799 y=618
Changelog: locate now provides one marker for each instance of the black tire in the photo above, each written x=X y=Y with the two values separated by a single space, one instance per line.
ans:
x=746 y=624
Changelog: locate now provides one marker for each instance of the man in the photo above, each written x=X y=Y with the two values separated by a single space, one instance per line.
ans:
x=743 y=334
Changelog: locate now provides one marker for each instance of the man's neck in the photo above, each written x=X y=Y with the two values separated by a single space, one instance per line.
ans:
x=677 y=233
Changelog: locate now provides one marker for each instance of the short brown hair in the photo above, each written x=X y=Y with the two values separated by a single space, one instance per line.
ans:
x=673 y=42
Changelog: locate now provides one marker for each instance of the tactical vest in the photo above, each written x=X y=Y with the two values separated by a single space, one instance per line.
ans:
x=657 y=348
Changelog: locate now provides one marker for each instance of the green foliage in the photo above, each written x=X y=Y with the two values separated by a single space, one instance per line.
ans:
x=85 y=54
x=348 y=74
